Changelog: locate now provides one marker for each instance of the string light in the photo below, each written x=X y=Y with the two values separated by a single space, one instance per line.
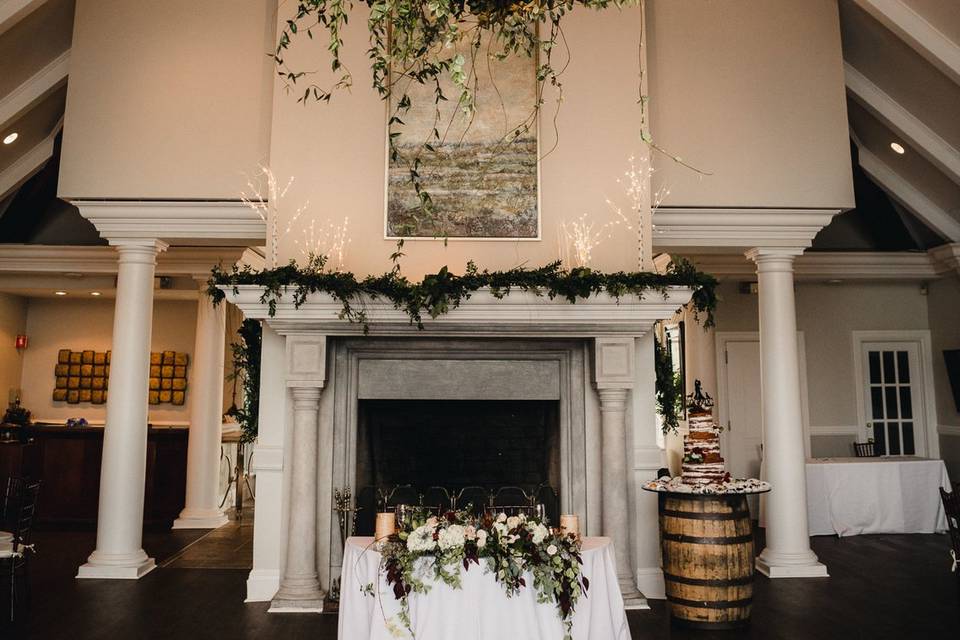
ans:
x=269 y=209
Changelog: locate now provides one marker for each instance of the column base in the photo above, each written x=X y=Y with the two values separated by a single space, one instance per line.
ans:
x=790 y=565
x=200 y=519
x=288 y=605
x=116 y=566
x=632 y=598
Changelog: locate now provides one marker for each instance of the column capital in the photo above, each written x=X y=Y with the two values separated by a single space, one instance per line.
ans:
x=306 y=361
x=613 y=398
x=143 y=250
x=614 y=365
x=773 y=258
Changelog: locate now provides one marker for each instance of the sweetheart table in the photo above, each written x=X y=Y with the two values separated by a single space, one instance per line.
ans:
x=480 y=608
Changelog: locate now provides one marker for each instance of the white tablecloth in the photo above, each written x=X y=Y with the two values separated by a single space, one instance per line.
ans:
x=480 y=609
x=852 y=496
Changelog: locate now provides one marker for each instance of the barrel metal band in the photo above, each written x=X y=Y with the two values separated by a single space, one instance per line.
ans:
x=716 y=604
x=686 y=515
x=704 y=582
x=676 y=537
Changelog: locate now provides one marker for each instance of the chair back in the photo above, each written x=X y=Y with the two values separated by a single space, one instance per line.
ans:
x=437 y=497
x=951 y=506
x=865 y=450
x=477 y=497
x=24 y=496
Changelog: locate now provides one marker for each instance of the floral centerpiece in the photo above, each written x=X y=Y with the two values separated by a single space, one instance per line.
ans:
x=429 y=548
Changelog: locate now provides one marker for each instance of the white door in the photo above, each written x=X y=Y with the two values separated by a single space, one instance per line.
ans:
x=893 y=397
x=744 y=427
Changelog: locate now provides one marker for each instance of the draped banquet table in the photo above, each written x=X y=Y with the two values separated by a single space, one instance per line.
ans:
x=480 y=608
x=895 y=494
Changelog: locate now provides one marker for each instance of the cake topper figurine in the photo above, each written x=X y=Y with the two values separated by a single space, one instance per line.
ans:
x=699 y=401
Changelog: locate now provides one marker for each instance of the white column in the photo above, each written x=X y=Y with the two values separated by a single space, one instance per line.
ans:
x=300 y=583
x=201 y=509
x=788 y=553
x=119 y=552
x=613 y=373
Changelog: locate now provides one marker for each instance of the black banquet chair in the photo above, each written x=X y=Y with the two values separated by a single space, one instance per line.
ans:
x=951 y=506
x=19 y=506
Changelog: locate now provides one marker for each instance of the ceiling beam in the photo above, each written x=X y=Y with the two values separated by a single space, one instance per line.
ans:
x=909 y=196
x=912 y=28
x=931 y=146
x=13 y=11
x=27 y=164
x=36 y=88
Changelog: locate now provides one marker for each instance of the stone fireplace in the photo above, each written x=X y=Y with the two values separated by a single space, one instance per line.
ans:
x=524 y=389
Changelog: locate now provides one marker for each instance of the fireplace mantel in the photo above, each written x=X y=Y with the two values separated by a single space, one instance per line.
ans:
x=518 y=314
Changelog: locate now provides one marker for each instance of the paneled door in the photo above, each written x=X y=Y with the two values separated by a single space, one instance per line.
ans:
x=893 y=397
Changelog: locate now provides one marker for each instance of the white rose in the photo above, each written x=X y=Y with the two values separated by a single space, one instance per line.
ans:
x=540 y=533
x=500 y=528
x=451 y=537
x=552 y=550
x=481 y=539
x=470 y=532
x=421 y=539
x=502 y=517
x=512 y=522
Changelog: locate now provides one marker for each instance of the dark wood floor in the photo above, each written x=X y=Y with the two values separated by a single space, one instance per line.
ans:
x=881 y=587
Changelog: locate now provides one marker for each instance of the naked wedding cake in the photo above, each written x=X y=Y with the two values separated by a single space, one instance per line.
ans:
x=702 y=463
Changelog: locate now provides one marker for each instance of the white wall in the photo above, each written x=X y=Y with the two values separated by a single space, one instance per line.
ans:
x=828 y=315
x=752 y=91
x=54 y=324
x=167 y=99
x=13 y=321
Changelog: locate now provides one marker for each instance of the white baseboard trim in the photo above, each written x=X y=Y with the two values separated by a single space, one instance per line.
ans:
x=262 y=585
x=834 y=430
x=948 y=430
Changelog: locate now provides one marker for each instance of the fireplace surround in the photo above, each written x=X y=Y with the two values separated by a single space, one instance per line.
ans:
x=592 y=359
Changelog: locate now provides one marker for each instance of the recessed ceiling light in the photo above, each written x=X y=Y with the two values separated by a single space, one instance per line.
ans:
x=59 y=293
x=11 y=138
x=95 y=293
x=897 y=147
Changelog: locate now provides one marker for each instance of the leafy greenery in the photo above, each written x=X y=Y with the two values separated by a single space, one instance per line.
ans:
x=429 y=550
x=246 y=367
x=422 y=42
x=443 y=291
x=668 y=389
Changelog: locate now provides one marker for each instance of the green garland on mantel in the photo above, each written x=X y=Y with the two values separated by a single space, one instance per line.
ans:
x=443 y=291
x=438 y=293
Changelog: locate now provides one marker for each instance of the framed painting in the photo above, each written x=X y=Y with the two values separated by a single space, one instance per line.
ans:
x=483 y=174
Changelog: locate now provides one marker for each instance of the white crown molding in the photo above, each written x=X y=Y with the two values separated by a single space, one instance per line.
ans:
x=822 y=265
x=519 y=314
x=204 y=222
x=736 y=228
x=28 y=164
x=34 y=89
x=13 y=11
x=916 y=31
x=934 y=148
x=909 y=196
x=176 y=261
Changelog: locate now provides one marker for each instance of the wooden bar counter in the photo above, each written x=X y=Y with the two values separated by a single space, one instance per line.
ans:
x=67 y=460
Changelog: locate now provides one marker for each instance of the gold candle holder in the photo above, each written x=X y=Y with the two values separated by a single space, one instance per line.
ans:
x=386 y=525
x=570 y=524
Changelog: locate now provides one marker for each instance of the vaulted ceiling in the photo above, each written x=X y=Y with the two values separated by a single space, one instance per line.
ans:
x=902 y=66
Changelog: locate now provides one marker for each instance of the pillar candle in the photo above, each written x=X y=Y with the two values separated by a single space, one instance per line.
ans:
x=386 y=525
x=570 y=524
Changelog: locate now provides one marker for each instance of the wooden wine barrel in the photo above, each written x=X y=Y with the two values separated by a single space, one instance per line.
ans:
x=707 y=545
